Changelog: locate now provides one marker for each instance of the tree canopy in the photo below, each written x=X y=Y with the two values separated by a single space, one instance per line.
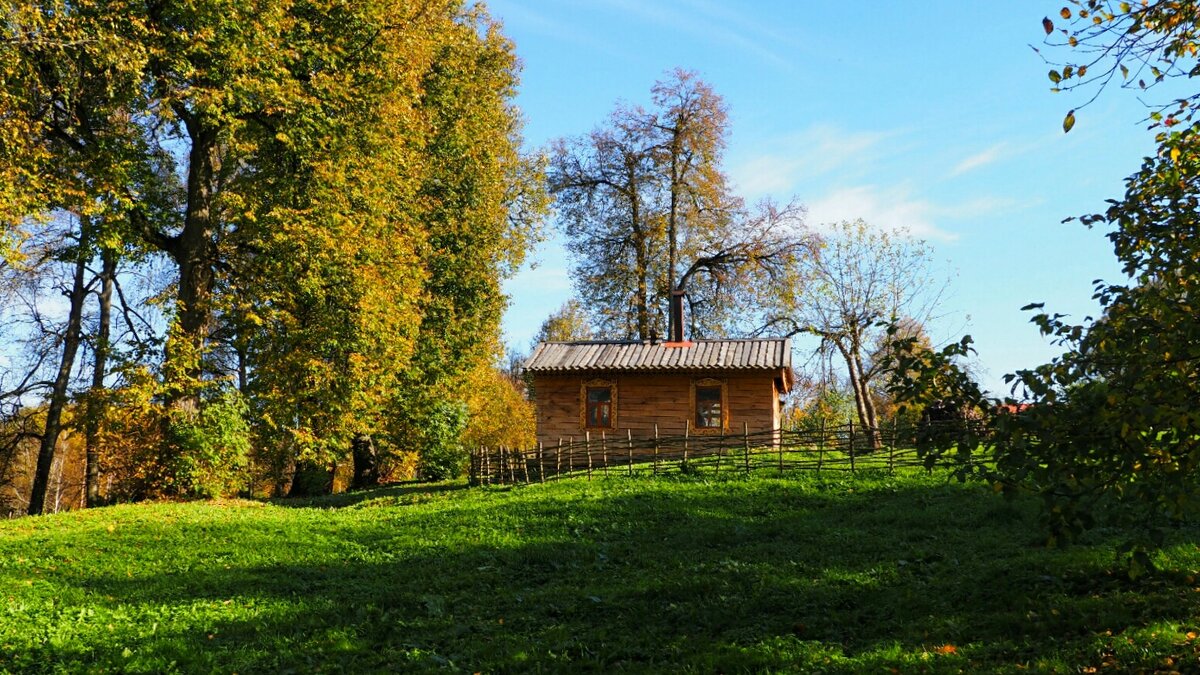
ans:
x=337 y=190
x=1111 y=432
x=646 y=210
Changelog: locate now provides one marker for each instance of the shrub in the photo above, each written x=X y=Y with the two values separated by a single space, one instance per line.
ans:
x=442 y=453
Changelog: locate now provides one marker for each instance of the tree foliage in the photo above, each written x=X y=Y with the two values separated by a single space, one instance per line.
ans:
x=566 y=324
x=1112 y=433
x=646 y=209
x=335 y=188
x=860 y=279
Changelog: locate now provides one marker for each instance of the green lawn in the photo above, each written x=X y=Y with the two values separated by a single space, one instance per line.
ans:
x=839 y=574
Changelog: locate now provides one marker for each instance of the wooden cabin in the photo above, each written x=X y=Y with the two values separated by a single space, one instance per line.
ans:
x=621 y=387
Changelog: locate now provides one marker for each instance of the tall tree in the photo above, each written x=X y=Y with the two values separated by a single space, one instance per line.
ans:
x=1112 y=433
x=337 y=187
x=565 y=324
x=647 y=210
x=861 y=279
x=606 y=185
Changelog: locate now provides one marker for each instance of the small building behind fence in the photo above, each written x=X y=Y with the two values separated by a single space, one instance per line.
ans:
x=676 y=387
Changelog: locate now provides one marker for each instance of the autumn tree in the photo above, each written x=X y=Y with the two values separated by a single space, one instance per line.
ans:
x=565 y=324
x=337 y=188
x=860 y=279
x=646 y=210
x=1111 y=435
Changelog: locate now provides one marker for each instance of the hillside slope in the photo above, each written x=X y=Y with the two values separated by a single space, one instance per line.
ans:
x=840 y=575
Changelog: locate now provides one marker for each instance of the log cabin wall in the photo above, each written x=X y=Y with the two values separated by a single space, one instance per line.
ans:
x=646 y=399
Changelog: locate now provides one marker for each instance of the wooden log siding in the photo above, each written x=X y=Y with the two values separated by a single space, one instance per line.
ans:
x=645 y=400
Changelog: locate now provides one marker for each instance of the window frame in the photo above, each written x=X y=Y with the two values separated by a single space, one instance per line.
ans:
x=597 y=383
x=694 y=411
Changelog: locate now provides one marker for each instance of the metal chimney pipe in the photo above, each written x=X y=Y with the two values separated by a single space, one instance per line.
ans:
x=675 y=330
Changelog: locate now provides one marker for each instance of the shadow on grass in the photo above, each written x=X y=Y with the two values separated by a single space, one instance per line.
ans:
x=353 y=497
x=726 y=577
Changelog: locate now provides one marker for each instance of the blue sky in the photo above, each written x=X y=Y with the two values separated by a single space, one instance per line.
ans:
x=936 y=117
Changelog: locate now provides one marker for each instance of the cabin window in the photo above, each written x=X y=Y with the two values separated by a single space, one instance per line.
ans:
x=599 y=405
x=709 y=405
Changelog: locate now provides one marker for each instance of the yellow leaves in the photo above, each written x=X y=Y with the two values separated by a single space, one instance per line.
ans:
x=1125 y=8
x=947 y=650
x=1069 y=121
x=1065 y=13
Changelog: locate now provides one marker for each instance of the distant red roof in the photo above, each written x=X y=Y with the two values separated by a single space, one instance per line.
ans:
x=1013 y=408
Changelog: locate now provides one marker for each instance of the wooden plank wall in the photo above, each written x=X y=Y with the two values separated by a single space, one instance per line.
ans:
x=644 y=400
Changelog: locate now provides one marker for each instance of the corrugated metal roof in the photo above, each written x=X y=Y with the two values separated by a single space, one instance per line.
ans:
x=755 y=354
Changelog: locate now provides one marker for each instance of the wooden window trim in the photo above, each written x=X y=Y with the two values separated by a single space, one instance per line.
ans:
x=583 y=403
x=707 y=382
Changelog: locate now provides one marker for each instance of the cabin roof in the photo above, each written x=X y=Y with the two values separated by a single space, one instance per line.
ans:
x=639 y=356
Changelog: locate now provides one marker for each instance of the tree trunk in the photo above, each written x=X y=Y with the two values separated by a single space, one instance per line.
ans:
x=672 y=223
x=642 y=259
x=312 y=479
x=194 y=252
x=862 y=399
x=58 y=395
x=871 y=423
x=366 y=462
x=95 y=408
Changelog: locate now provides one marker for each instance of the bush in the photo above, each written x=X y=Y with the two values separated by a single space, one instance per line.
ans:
x=210 y=449
x=442 y=453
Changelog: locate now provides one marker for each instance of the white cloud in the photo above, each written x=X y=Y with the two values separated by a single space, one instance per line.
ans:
x=892 y=209
x=704 y=23
x=979 y=159
x=814 y=152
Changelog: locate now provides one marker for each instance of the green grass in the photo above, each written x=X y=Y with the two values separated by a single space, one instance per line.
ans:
x=913 y=573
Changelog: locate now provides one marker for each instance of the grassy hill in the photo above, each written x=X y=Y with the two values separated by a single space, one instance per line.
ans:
x=912 y=572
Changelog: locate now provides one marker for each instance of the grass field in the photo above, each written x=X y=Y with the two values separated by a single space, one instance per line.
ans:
x=838 y=574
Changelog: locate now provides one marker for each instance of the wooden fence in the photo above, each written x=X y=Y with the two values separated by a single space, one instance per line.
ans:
x=827 y=448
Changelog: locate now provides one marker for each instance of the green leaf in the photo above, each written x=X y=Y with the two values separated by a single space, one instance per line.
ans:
x=1068 y=121
x=1054 y=76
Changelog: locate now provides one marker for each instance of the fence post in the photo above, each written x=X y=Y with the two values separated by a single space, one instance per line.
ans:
x=892 y=450
x=720 y=451
x=570 y=454
x=541 y=462
x=524 y=464
x=604 y=451
x=656 y=448
x=486 y=468
x=821 y=448
x=629 y=432
x=780 y=448
x=587 y=446
x=558 y=459
x=852 y=445
x=746 y=444
x=687 y=431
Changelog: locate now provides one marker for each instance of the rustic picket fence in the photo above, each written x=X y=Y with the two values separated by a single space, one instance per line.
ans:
x=826 y=448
